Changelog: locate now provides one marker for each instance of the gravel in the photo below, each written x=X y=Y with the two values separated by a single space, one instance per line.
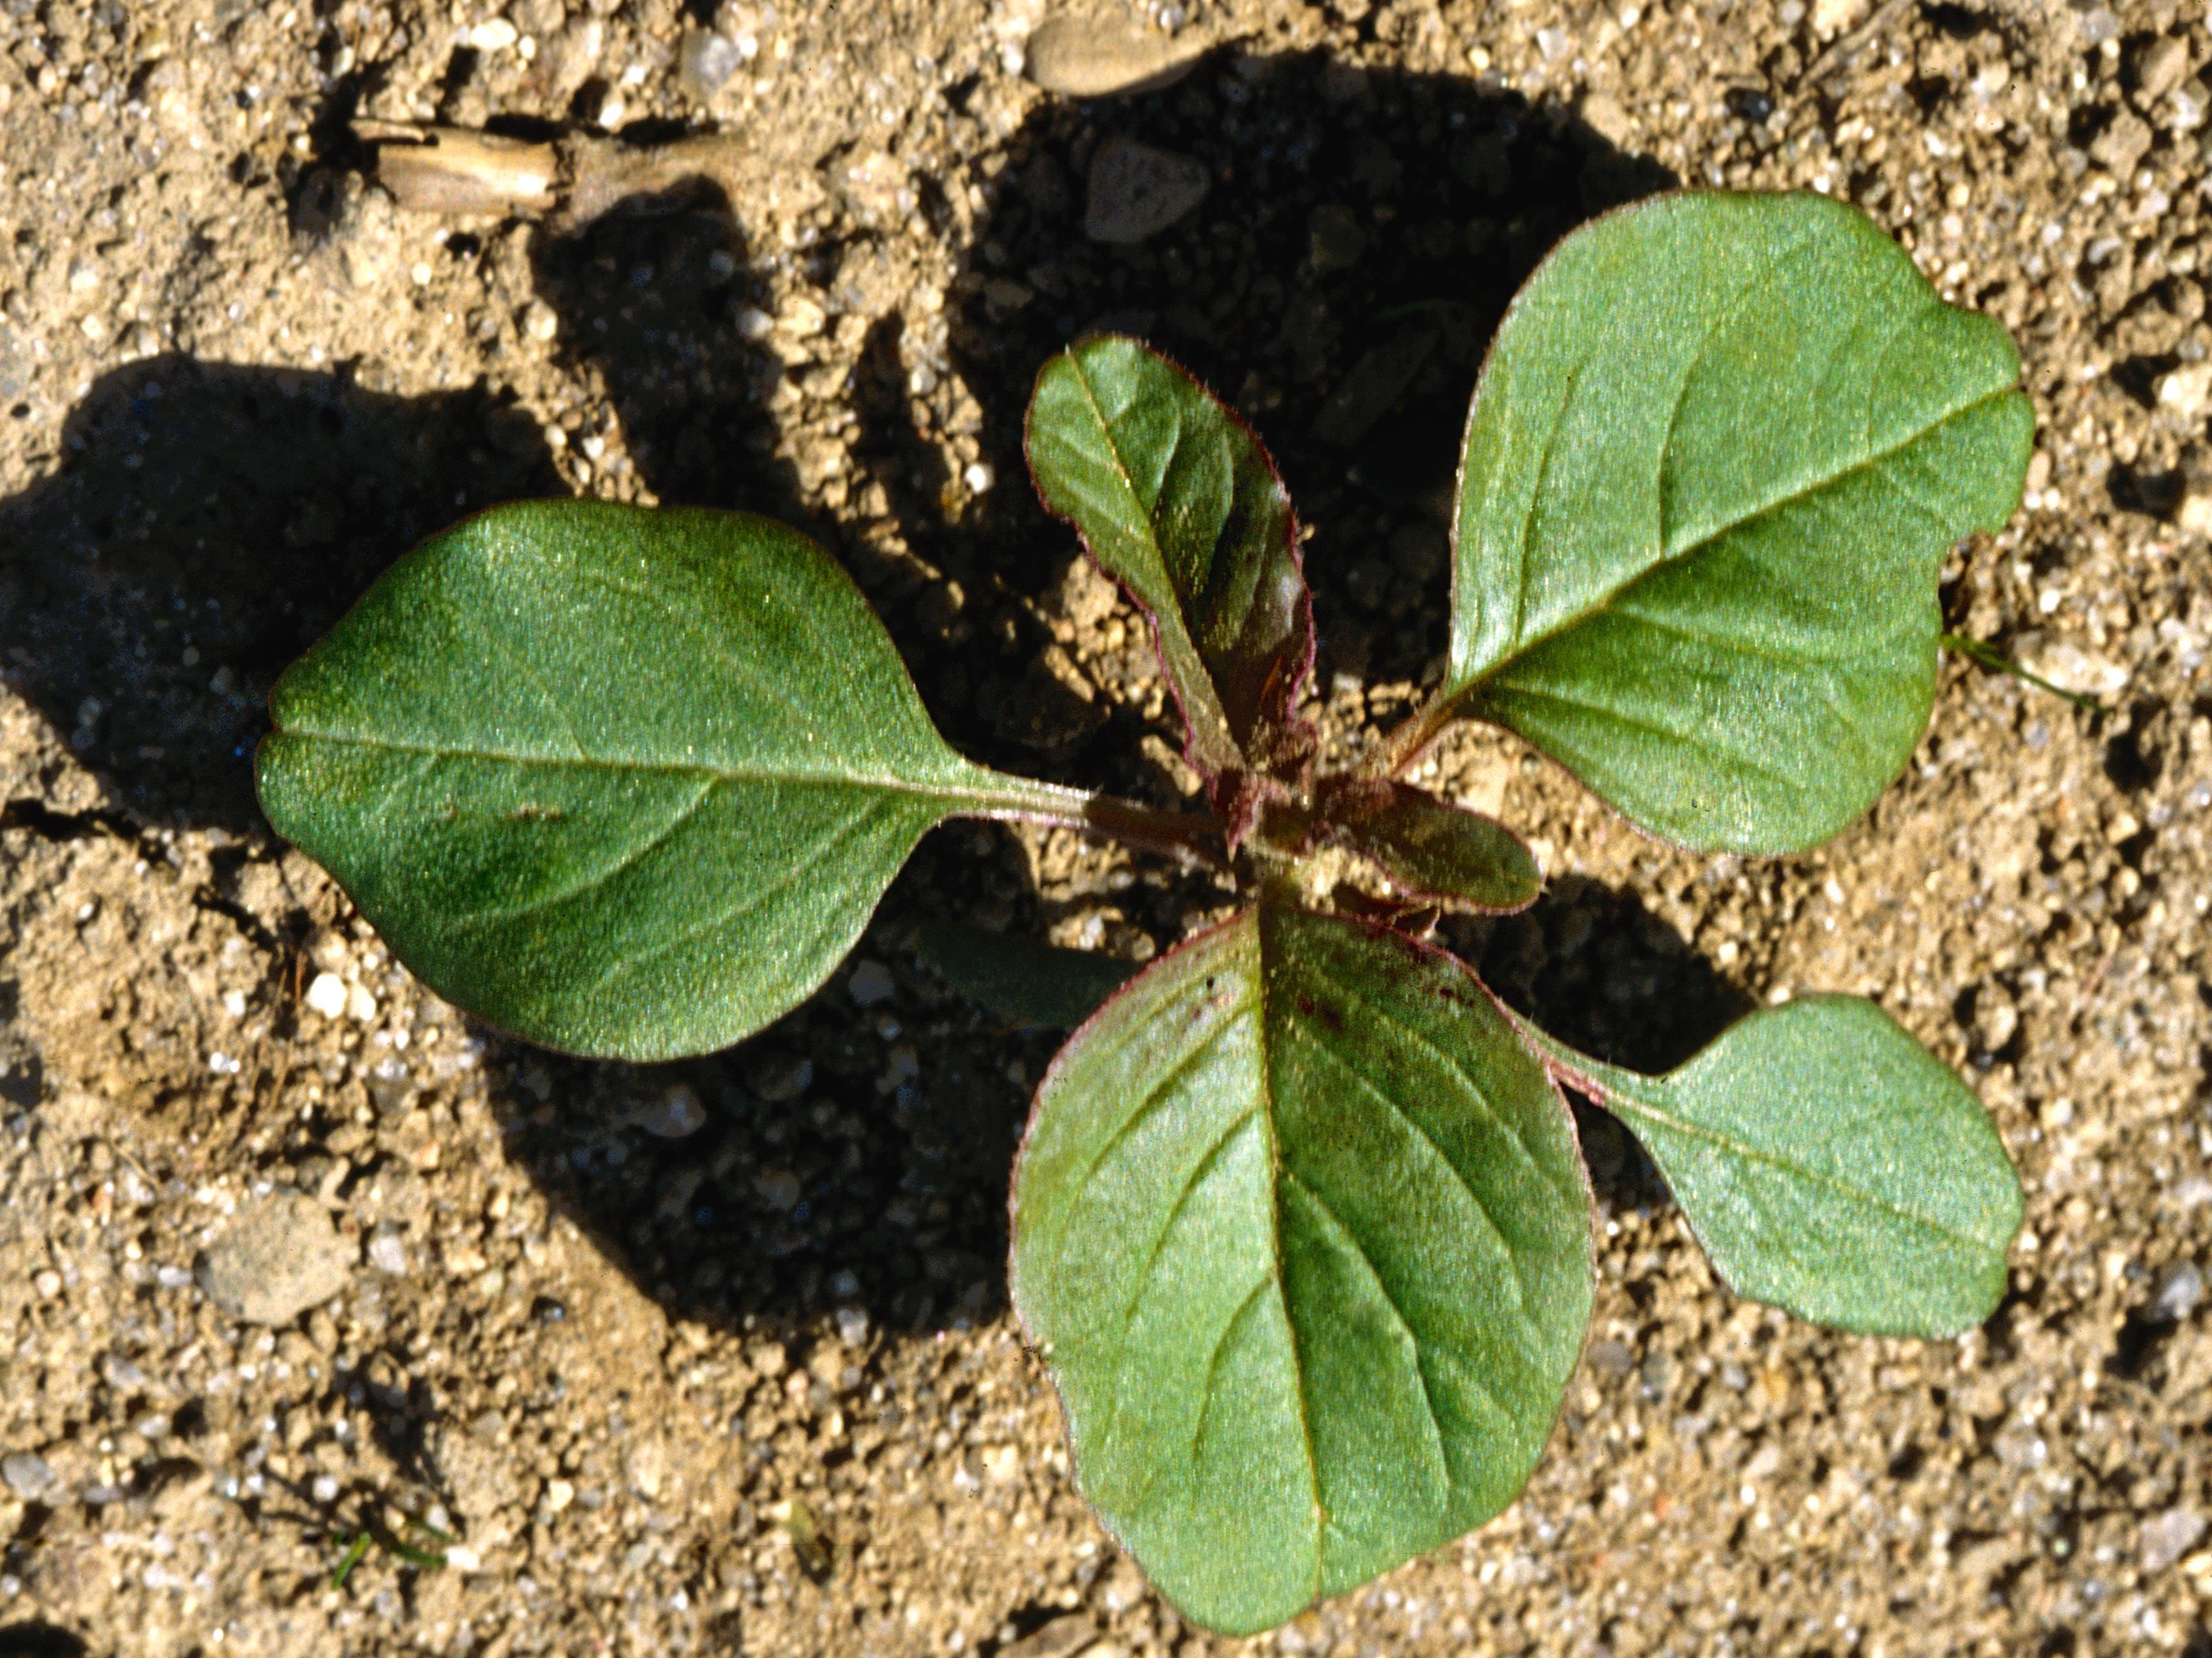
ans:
x=1137 y=190
x=26 y=1474
x=280 y=1257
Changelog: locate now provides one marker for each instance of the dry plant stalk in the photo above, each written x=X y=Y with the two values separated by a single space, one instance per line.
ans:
x=570 y=180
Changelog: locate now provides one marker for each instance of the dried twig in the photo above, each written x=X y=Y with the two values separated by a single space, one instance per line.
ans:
x=569 y=180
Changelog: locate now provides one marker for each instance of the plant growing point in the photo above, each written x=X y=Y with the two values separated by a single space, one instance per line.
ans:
x=1300 y=1225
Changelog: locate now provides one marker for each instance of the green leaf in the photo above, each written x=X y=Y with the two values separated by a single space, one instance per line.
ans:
x=1178 y=501
x=1716 y=455
x=1830 y=1165
x=1431 y=849
x=1036 y=983
x=1300 y=1228
x=624 y=783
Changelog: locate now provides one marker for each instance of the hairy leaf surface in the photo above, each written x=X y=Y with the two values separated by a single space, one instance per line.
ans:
x=1832 y=1166
x=1429 y=848
x=1716 y=457
x=1300 y=1228
x=1178 y=501
x=624 y=783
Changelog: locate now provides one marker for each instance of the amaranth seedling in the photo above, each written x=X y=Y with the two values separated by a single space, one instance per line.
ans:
x=1299 y=1224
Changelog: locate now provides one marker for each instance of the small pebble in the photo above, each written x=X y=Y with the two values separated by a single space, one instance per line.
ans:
x=2180 y=1287
x=1100 y=58
x=1611 y=1358
x=1996 y=1018
x=870 y=982
x=2187 y=391
x=675 y=1115
x=1137 y=191
x=707 y=62
x=327 y=995
x=280 y=1257
x=2068 y=665
x=779 y=1189
x=387 y=1252
x=2121 y=143
x=1608 y=117
x=2156 y=67
x=2167 y=1537
x=1066 y=1635
x=27 y=1475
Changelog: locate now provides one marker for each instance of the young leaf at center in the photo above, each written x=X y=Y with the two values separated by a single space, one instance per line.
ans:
x=1718 y=452
x=1179 y=501
x=628 y=783
x=1301 y=1229
x=1429 y=848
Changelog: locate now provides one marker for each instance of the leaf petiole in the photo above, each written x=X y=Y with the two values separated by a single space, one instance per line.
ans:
x=1412 y=734
x=1188 y=835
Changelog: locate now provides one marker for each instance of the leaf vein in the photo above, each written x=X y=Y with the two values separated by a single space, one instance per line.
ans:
x=1397 y=1313
x=1521 y=1291
x=1751 y=1153
x=597 y=878
x=1521 y=647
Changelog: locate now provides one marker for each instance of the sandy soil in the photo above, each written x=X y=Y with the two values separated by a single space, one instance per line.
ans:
x=714 y=1357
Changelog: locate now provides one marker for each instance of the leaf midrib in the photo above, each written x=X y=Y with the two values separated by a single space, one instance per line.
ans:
x=1637 y=1105
x=1045 y=797
x=1278 y=1168
x=1199 y=698
x=1523 y=648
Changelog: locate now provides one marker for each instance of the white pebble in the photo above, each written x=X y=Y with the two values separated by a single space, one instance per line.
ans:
x=980 y=477
x=360 y=1004
x=387 y=1253
x=327 y=995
